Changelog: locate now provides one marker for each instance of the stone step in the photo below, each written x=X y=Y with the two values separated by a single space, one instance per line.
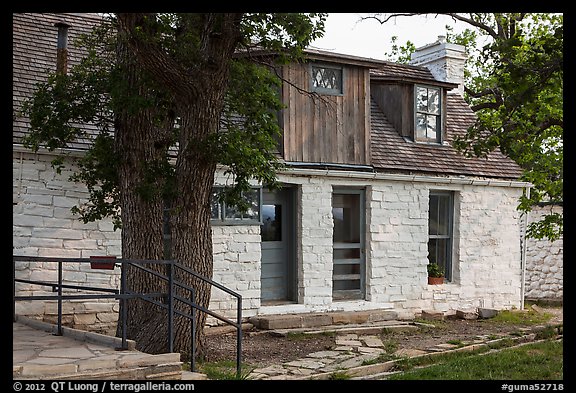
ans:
x=38 y=353
x=311 y=320
x=193 y=376
x=366 y=328
x=137 y=366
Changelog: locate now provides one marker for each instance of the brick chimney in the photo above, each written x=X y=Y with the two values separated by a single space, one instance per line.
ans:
x=444 y=60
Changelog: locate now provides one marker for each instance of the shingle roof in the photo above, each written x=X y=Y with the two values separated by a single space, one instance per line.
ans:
x=34 y=41
x=34 y=55
x=405 y=72
x=391 y=152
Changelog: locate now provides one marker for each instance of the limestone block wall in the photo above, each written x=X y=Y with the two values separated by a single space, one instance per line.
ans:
x=236 y=266
x=486 y=259
x=315 y=243
x=397 y=225
x=544 y=262
x=486 y=256
x=486 y=252
x=44 y=226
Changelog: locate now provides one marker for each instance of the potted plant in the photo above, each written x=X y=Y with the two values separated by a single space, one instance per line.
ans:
x=435 y=274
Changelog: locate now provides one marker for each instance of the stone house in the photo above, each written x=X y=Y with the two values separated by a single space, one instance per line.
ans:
x=372 y=192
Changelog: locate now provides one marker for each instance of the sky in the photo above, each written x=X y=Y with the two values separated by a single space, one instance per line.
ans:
x=346 y=34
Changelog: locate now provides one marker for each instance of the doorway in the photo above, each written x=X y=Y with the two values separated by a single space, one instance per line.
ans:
x=348 y=277
x=278 y=270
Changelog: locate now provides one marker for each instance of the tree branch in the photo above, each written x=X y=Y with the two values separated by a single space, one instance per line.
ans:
x=154 y=59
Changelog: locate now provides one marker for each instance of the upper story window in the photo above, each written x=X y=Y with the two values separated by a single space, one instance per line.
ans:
x=327 y=79
x=428 y=114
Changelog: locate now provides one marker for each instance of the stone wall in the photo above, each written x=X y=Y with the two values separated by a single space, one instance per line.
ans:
x=486 y=256
x=42 y=225
x=486 y=260
x=544 y=262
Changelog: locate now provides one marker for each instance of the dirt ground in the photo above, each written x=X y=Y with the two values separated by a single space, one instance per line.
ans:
x=261 y=348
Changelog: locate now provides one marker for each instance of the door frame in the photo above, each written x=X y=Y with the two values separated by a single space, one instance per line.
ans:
x=361 y=192
x=289 y=236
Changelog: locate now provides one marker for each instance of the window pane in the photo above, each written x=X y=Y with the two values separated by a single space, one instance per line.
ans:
x=431 y=127
x=420 y=126
x=421 y=99
x=346 y=210
x=344 y=285
x=347 y=253
x=232 y=213
x=433 y=215
x=253 y=199
x=443 y=215
x=271 y=228
x=215 y=206
x=442 y=252
x=347 y=269
x=440 y=231
x=432 y=254
x=327 y=78
x=438 y=252
x=434 y=101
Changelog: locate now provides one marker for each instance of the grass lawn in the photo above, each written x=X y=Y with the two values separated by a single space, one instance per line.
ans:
x=534 y=361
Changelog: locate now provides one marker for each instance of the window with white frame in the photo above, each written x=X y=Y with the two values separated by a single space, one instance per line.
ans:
x=428 y=114
x=327 y=79
x=440 y=222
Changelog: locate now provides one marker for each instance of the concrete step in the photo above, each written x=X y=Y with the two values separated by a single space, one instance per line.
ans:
x=312 y=320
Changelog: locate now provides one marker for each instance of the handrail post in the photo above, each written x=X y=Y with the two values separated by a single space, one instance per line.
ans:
x=59 y=298
x=193 y=331
x=123 y=305
x=239 y=340
x=14 y=291
x=171 y=307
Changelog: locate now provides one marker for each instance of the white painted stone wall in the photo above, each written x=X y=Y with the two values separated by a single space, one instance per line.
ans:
x=236 y=266
x=486 y=247
x=486 y=269
x=397 y=248
x=44 y=226
x=544 y=262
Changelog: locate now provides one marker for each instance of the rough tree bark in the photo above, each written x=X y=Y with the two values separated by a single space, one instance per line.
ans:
x=199 y=92
x=138 y=143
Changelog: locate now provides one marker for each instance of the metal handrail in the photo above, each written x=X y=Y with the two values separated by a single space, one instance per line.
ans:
x=124 y=295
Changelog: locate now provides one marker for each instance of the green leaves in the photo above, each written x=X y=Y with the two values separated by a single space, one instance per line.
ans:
x=514 y=84
x=516 y=89
x=98 y=90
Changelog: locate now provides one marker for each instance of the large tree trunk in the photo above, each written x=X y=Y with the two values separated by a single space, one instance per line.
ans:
x=199 y=91
x=138 y=144
x=191 y=229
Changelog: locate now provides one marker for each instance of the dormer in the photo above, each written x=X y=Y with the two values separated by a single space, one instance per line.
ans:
x=327 y=116
x=413 y=101
x=413 y=97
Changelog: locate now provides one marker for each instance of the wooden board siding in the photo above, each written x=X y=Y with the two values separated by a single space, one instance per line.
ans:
x=396 y=101
x=326 y=128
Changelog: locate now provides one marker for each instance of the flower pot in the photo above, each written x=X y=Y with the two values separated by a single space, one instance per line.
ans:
x=435 y=280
